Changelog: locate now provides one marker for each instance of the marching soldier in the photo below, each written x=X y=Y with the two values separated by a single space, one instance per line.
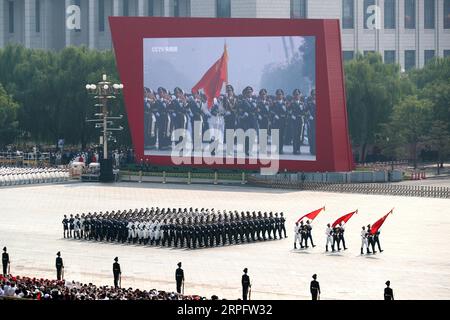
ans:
x=5 y=262
x=370 y=239
x=297 y=235
x=179 y=277
x=71 y=225
x=245 y=285
x=364 y=241
x=308 y=228
x=59 y=266
x=315 y=288
x=65 y=223
x=329 y=235
x=341 y=235
x=117 y=273
x=303 y=235
x=336 y=239
x=376 y=240
x=282 y=225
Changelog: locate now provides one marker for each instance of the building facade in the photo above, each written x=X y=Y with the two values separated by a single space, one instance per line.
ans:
x=410 y=32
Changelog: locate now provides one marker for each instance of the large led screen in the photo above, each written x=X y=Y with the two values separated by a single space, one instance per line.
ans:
x=231 y=97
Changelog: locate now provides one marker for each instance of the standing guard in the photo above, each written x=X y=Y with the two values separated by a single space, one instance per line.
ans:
x=179 y=277
x=59 y=266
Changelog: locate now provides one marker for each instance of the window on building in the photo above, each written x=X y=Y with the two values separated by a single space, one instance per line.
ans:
x=155 y=7
x=429 y=15
x=223 y=8
x=446 y=53
x=366 y=52
x=11 y=16
x=126 y=8
x=447 y=14
x=429 y=55
x=37 y=14
x=298 y=9
x=181 y=8
x=389 y=56
x=348 y=55
x=348 y=14
x=410 y=14
x=367 y=11
x=389 y=14
x=150 y=8
x=101 y=15
x=410 y=59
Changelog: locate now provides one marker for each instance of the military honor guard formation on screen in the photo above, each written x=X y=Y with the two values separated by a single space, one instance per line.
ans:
x=293 y=115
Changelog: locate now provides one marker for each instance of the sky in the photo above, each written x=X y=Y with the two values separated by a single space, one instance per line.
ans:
x=171 y=62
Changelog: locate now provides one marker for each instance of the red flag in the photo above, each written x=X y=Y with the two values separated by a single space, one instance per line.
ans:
x=212 y=81
x=312 y=215
x=377 y=225
x=344 y=218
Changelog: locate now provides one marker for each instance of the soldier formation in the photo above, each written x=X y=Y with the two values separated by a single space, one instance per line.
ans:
x=175 y=227
x=294 y=116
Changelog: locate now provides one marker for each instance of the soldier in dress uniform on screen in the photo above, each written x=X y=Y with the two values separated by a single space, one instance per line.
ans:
x=164 y=120
x=150 y=119
x=311 y=121
x=230 y=107
x=263 y=110
x=278 y=117
x=247 y=116
x=296 y=118
x=195 y=106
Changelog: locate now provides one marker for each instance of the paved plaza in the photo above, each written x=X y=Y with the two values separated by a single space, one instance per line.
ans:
x=415 y=238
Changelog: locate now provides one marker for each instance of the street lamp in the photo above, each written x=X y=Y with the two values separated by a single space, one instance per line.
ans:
x=105 y=91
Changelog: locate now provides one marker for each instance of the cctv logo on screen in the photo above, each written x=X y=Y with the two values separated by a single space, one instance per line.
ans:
x=164 y=49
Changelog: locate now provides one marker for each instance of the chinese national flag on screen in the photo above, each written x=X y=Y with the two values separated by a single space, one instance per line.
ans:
x=377 y=225
x=212 y=81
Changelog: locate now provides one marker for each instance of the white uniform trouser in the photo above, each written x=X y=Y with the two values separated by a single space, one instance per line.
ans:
x=329 y=240
x=364 y=243
x=297 y=237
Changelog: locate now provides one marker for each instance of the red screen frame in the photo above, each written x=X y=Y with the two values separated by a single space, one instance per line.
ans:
x=333 y=150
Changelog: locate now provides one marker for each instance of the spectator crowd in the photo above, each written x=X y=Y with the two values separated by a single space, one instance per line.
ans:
x=16 y=287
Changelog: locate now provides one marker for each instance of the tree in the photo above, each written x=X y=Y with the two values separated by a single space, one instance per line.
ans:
x=50 y=88
x=8 y=118
x=372 y=89
x=410 y=122
x=438 y=140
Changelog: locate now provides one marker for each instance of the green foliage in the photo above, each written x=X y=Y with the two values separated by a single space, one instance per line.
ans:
x=8 y=117
x=50 y=87
x=438 y=140
x=372 y=89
